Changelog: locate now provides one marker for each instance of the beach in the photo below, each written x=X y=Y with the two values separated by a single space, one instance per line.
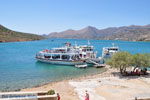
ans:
x=105 y=86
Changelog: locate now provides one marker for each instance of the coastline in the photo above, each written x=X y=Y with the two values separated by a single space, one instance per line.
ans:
x=105 y=86
x=66 y=91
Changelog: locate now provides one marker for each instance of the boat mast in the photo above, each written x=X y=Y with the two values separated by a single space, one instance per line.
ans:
x=89 y=42
x=75 y=44
x=113 y=44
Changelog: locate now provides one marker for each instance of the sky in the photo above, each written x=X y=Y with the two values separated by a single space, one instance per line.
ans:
x=45 y=16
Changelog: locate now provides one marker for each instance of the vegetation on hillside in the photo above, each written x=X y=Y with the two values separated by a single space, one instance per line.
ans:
x=7 y=35
x=123 y=60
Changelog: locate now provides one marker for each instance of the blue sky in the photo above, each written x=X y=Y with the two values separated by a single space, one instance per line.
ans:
x=45 y=16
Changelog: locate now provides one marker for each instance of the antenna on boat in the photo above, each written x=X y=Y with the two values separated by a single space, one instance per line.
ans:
x=113 y=44
x=89 y=42
x=75 y=43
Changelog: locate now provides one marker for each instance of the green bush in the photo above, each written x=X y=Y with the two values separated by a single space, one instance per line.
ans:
x=122 y=60
x=51 y=92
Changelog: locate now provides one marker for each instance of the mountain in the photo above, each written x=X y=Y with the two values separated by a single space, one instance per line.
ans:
x=129 y=33
x=7 y=35
x=88 y=32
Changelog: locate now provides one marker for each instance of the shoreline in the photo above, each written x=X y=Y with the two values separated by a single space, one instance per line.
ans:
x=104 y=86
x=59 y=80
x=66 y=80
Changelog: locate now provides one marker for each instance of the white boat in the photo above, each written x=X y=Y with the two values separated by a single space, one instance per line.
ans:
x=67 y=55
x=108 y=52
x=81 y=66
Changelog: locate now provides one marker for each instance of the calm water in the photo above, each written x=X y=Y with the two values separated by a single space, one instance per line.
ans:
x=19 y=69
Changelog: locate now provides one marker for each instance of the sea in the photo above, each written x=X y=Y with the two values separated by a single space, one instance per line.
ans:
x=19 y=68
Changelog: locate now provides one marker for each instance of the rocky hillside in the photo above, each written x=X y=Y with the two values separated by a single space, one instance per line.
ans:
x=129 y=33
x=7 y=35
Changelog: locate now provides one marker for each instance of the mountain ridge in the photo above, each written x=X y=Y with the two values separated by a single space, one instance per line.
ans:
x=129 y=33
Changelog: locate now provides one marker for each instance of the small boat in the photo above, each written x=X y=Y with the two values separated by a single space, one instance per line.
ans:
x=81 y=66
x=99 y=65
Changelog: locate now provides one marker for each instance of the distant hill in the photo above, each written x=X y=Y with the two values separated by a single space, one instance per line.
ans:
x=129 y=33
x=7 y=35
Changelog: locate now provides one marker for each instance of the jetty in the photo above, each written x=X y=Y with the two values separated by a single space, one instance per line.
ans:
x=95 y=64
x=81 y=66
x=37 y=95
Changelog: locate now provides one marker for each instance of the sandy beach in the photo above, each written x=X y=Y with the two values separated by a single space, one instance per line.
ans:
x=106 y=86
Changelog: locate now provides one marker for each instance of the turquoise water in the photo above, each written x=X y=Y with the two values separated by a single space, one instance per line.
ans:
x=19 y=69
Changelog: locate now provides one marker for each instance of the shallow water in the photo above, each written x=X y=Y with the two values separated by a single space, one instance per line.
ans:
x=19 y=68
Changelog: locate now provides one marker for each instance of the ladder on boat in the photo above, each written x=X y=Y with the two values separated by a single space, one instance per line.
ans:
x=93 y=62
x=97 y=65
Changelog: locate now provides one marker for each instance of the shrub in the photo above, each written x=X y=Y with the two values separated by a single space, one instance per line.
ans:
x=51 y=92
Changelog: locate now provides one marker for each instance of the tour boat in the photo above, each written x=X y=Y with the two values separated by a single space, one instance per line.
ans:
x=108 y=52
x=67 y=55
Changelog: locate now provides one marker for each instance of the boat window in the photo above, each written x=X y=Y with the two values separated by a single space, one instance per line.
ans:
x=47 y=56
x=80 y=55
x=89 y=49
x=68 y=49
x=75 y=57
x=84 y=50
x=60 y=50
x=65 y=57
x=56 y=56
x=113 y=49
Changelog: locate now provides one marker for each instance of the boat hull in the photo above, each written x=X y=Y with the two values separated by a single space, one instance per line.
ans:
x=60 y=62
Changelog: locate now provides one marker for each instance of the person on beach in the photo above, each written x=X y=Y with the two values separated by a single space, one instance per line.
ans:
x=58 y=96
x=86 y=95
